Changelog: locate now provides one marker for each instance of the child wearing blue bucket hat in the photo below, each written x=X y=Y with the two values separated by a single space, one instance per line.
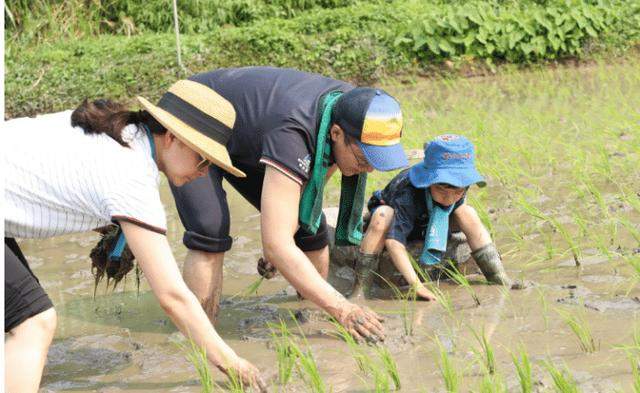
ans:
x=427 y=202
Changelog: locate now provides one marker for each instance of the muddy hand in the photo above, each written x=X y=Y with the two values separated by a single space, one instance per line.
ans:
x=362 y=323
x=247 y=373
x=266 y=269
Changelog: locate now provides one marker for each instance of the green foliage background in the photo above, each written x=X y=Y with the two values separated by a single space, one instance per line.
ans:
x=59 y=52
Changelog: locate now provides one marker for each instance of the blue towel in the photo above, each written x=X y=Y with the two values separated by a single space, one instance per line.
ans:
x=437 y=233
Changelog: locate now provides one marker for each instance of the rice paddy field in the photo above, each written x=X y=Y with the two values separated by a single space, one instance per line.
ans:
x=560 y=149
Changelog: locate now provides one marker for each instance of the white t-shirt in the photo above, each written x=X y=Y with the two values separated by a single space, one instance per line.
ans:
x=59 y=180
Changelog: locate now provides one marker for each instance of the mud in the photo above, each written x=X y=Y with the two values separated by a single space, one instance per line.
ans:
x=122 y=341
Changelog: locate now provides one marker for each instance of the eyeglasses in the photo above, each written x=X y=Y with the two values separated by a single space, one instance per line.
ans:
x=362 y=161
x=203 y=164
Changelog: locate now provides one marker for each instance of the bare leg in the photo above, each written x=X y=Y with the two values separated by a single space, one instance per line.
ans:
x=373 y=241
x=202 y=273
x=370 y=249
x=469 y=222
x=484 y=252
x=25 y=352
x=320 y=259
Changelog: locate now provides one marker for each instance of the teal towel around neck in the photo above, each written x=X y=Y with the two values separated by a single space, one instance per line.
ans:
x=352 y=188
x=437 y=233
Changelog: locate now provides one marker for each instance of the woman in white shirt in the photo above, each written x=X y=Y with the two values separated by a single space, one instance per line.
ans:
x=69 y=172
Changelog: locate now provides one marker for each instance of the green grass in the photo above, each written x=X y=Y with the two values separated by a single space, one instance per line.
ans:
x=76 y=51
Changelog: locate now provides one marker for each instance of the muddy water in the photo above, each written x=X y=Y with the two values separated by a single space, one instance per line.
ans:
x=122 y=341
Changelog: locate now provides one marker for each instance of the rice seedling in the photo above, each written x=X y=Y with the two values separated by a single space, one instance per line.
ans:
x=451 y=376
x=523 y=369
x=284 y=351
x=390 y=365
x=308 y=370
x=635 y=370
x=443 y=299
x=635 y=232
x=251 y=289
x=597 y=196
x=562 y=380
x=632 y=199
x=559 y=227
x=362 y=360
x=634 y=262
x=307 y=367
x=380 y=380
x=461 y=280
x=235 y=384
x=581 y=330
x=407 y=309
x=545 y=307
x=197 y=356
x=486 y=351
x=492 y=384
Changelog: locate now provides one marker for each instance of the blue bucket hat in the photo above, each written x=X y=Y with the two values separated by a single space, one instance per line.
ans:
x=448 y=159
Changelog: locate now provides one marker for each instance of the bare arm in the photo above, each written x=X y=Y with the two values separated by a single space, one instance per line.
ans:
x=156 y=260
x=398 y=253
x=279 y=222
x=279 y=219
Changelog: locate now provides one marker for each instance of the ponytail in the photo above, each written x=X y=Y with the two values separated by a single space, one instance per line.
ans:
x=109 y=117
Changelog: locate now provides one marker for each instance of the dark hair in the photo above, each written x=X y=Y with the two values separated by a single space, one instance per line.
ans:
x=109 y=117
x=114 y=270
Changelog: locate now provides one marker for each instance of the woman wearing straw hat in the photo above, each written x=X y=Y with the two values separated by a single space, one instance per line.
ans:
x=77 y=171
x=293 y=130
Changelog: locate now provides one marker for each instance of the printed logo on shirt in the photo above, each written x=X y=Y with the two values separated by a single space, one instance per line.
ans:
x=303 y=163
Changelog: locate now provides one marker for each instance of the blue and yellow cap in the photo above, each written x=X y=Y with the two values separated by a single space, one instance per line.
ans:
x=374 y=118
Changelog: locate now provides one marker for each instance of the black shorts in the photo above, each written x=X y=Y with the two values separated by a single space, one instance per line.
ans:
x=23 y=295
x=204 y=212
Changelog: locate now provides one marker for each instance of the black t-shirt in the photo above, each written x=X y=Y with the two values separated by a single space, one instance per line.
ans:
x=277 y=115
x=410 y=217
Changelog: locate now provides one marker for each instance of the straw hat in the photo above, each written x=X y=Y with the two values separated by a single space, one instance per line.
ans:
x=200 y=118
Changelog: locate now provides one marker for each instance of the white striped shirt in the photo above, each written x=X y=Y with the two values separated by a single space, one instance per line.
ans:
x=59 y=180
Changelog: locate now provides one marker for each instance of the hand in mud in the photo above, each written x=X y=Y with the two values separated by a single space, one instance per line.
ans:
x=266 y=269
x=248 y=373
x=362 y=323
x=422 y=293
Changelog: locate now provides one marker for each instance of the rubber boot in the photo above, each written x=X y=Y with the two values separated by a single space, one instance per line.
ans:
x=366 y=265
x=490 y=263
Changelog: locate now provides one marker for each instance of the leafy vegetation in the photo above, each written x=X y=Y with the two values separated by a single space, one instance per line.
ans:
x=71 y=57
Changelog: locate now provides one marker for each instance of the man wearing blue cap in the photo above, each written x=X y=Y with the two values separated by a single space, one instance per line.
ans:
x=291 y=132
x=421 y=203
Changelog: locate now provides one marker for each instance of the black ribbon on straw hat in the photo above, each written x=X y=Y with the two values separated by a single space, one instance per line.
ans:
x=200 y=117
x=206 y=124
